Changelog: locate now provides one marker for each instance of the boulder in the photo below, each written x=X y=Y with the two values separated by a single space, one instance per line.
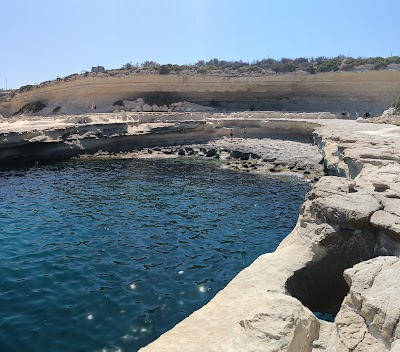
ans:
x=133 y=104
x=137 y=109
x=369 y=316
x=147 y=108
x=211 y=153
x=31 y=108
x=156 y=108
x=386 y=221
x=342 y=208
x=284 y=324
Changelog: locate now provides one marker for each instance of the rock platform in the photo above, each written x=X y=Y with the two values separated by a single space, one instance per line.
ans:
x=341 y=258
x=349 y=219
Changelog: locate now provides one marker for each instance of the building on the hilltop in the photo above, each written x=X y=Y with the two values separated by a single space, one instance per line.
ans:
x=98 y=69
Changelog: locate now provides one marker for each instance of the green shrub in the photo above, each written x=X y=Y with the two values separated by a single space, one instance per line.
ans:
x=375 y=60
x=249 y=69
x=286 y=67
x=212 y=68
x=26 y=88
x=380 y=66
x=301 y=60
x=310 y=69
x=393 y=60
x=150 y=64
x=328 y=66
x=167 y=69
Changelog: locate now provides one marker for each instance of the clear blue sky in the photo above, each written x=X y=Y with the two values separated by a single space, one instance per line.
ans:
x=43 y=39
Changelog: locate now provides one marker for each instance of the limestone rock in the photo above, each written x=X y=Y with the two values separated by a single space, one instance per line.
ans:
x=31 y=108
x=156 y=108
x=286 y=325
x=189 y=107
x=386 y=221
x=369 y=316
x=133 y=104
x=147 y=108
x=348 y=208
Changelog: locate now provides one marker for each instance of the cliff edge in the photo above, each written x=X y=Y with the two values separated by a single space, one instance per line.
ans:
x=350 y=217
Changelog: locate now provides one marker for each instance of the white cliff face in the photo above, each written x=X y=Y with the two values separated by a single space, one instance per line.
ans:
x=373 y=91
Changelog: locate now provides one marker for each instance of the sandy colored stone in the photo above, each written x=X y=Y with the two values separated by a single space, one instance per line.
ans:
x=368 y=319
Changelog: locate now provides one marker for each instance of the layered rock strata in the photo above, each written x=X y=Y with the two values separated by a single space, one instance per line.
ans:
x=334 y=91
x=30 y=139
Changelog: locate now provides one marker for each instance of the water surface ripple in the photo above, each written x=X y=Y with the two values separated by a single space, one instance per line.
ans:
x=108 y=255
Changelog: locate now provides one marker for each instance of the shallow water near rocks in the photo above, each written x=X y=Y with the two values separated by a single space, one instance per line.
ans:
x=108 y=255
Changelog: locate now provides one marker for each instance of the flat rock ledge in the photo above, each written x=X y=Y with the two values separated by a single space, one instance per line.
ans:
x=341 y=258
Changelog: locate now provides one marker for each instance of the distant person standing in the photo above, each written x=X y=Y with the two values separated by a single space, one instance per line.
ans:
x=364 y=114
x=357 y=113
x=344 y=113
x=231 y=133
x=244 y=132
x=93 y=107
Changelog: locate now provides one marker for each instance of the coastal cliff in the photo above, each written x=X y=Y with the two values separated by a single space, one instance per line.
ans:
x=341 y=257
x=344 y=221
x=373 y=91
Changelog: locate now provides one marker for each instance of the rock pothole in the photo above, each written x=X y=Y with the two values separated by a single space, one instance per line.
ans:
x=320 y=285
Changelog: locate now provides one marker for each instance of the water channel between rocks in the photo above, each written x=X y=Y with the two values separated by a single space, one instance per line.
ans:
x=108 y=255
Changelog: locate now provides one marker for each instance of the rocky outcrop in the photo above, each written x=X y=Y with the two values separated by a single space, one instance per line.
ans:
x=35 y=138
x=373 y=91
x=342 y=222
x=31 y=108
x=389 y=116
x=369 y=317
x=349 y=217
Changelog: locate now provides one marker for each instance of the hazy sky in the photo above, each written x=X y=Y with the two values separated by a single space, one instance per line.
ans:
x=43 y=39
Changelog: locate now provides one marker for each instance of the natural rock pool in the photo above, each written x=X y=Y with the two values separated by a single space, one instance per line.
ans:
x=108 y=255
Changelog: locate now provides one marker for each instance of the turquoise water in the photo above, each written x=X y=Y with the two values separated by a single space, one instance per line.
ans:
x=108 y=255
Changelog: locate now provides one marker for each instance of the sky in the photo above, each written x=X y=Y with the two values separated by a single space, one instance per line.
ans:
x=43 y=39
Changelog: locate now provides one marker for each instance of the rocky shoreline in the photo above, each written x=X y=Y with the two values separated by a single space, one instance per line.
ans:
x=283 y=154
x=341 y=257
x=351 y=218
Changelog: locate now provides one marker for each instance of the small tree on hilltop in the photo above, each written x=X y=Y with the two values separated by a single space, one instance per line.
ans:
x=128 y=66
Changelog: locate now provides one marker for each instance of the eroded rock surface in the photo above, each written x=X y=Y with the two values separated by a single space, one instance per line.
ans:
x=347 y=218
x=369 y=317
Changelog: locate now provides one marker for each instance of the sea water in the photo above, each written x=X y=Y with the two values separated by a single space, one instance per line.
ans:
x=108 y=255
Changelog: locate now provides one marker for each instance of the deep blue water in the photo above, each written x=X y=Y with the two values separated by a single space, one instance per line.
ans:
x=108 y=255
